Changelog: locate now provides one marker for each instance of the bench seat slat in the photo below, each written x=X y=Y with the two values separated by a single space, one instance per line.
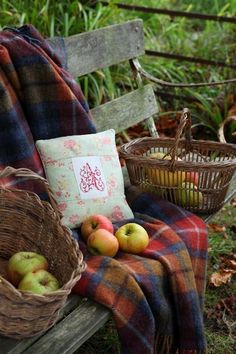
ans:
x=13 y=346
x=126 y=110
x=73 y=331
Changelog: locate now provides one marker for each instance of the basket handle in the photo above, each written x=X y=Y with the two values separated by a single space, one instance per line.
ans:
x=25 y=172
x=185 y=123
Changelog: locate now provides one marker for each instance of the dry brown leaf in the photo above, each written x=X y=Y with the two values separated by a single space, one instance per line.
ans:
x=217 y=279
x=229 y=265
x=233 y=202
x=232 y=110
x=216 y=228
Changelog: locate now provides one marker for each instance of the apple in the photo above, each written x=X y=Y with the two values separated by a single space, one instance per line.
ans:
x=39 y=282
x=188 y=195
x=192 y=177
x=95 y=222
x=165 y=178
x=21 y=263
x=102 y=242
x=132 y=238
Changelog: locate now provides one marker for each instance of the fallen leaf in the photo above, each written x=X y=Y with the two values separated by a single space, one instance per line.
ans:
x=219 y=278
x=233 y=202
x=216 y=228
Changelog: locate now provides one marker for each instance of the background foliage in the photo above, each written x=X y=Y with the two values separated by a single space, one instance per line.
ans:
x=178 y=35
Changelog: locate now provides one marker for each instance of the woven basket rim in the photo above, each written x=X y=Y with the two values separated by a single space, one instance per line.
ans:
x=127 y=152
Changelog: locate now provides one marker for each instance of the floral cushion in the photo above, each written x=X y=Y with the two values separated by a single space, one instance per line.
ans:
x=85 y=175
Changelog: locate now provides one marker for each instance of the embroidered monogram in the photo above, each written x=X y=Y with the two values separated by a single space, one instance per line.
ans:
x=90 y=179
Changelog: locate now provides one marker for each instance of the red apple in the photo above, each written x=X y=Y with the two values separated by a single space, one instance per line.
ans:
x=102 y=242
x=192 y=177
x=95 y=222
x=132 y=238
x=24 y=262
x=39 y=282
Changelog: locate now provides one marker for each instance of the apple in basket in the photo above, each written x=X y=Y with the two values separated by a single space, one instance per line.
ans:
x=39 y=282
x=95 y=222
x=192 y=177
x=132 y=238
x=22 y=263
x=164 y=178
x=188 y=195
x=102 y=242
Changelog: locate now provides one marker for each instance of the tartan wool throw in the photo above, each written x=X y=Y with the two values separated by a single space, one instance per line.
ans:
x=156 y=297
x=38 y=100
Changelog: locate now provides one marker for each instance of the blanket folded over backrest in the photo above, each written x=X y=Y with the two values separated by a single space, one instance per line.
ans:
x=155 y=297
x=39 y=99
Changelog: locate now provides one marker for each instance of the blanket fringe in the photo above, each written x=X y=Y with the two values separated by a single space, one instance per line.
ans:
x=191 y=351
x=164 y=345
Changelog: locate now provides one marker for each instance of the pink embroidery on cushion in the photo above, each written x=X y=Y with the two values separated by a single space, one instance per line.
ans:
x=117 y=213
x=62 y=206
x=70 y=144
x=91 y=179
x=74 y=219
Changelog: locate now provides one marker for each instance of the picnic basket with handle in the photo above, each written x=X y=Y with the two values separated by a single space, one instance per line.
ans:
x=194 y=174
x=29 y=224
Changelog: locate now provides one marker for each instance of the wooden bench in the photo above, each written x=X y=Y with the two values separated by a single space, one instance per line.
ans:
x=88 y=52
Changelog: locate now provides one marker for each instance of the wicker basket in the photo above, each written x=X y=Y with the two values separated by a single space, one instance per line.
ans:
x=196 y=176
x=29 y=224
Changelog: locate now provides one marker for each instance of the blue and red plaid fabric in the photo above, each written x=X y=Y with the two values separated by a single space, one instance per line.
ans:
x=39 y=100
x=156 y=297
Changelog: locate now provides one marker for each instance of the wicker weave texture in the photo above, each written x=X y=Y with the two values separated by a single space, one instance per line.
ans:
x=29 y=224
x=211 y=165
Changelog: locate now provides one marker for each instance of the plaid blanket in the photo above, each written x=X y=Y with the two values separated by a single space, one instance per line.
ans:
x=156 y=297
x=38 y=100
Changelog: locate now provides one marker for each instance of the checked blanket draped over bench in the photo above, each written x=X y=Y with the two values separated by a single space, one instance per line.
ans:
x=156 y=297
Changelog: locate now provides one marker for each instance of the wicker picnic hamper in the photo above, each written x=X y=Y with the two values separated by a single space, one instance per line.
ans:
x=194 y=174
x=29 y=224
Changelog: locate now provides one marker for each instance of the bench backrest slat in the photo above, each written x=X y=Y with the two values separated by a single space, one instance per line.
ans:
x=102 y=48
x=90 y=51
x=126 y=110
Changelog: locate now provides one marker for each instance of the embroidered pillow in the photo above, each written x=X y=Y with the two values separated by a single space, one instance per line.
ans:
x=85 y=175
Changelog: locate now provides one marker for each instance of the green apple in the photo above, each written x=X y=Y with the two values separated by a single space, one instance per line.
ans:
x=22 y=263
x=39 y=282
x=164 y=178
x=102 y=242
x=188 y=195
x=132 y=238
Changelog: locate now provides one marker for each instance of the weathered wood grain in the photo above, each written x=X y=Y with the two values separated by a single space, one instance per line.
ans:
x=126 y=110
x=72 y=331
x=13 y=346
x=104 y=47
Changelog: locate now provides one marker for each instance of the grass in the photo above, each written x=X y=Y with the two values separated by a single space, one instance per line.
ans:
x=220 y=327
